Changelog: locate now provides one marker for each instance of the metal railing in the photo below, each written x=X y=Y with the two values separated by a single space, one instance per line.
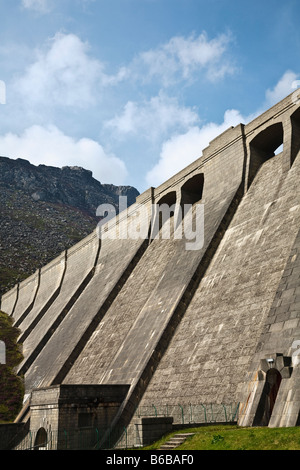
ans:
x=192 y=413
x=130 y=437
x=75 y=439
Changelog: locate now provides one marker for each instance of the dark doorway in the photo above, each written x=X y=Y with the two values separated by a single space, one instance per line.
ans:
x=41 y=440
x=268 y=398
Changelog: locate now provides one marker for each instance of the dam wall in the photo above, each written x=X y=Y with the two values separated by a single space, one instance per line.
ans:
x=199 y=307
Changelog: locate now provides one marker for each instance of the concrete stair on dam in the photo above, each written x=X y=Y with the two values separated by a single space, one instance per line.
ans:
x=176 y=441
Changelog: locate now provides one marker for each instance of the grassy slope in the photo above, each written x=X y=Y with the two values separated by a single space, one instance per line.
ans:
x=234 y=438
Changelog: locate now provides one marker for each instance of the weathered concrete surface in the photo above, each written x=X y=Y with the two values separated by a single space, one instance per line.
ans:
x=27 y=292
x=9 y=433
x=280 y=334
x=80 y=262
x=193 y=326
x=58 y=410
x=61 y=349
x=131 y=339
x=213 y=346
x=9 y=300
x=51 y=277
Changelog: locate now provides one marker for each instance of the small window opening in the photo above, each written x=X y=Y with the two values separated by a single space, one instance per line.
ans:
x=163 y=216
x=263 y=147
x=295 y=122
x=191 y=194
x=192 y=190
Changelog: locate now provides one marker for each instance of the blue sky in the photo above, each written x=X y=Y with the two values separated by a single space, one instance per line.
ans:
x=135 y=89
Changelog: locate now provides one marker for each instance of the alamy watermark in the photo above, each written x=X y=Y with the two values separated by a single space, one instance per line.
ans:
x=174 y=222
x=2 y=92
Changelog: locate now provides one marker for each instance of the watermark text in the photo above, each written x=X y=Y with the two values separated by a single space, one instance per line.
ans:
x=176 y=222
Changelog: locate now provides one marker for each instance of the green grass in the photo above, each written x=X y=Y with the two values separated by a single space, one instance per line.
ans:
x=235 y=438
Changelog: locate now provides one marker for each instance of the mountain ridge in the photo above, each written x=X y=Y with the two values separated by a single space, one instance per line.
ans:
x=45 y=210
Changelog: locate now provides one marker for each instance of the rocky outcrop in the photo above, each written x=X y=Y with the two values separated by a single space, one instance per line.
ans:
x=72 y=186
x=45 y=210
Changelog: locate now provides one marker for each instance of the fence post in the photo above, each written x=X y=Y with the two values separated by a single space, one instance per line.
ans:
x=155 y=410
x=125 y=429
x=204 y=412
x=66 y=438
x=224 y=406
x=236 y=411
x=212 y=413
x=182 y=414
x=97 y=438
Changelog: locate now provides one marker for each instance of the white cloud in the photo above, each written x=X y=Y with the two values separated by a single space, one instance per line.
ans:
x=52 y=147
x=40 y=6
x=62 y=75
x=183 y=149
x=154 y=118
x=183 y=58
x=283 y=88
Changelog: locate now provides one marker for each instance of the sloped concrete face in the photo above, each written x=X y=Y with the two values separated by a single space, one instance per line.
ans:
x=9 y=300
x=279 y=344
x=159 y=287
x=51 y=277
x=27 y=292
x=213 y=346
x=78 y=269
x=193 y=318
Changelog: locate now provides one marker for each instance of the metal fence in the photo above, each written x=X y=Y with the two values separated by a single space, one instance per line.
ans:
x=129 y=437
x=75 y=439
x=192 y=413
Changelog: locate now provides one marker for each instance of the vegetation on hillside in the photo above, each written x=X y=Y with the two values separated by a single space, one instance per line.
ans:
x=11 y=386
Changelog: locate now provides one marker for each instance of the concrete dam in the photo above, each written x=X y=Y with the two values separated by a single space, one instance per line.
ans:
x=207 y=312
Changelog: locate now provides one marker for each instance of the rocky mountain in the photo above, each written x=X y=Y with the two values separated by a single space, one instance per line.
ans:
x=45 y=210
